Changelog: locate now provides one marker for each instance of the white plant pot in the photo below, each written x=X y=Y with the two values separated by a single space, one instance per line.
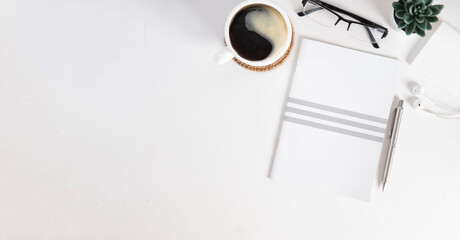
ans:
x=393 y=24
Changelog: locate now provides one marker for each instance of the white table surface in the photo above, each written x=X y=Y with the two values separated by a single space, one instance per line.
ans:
x=116 y=124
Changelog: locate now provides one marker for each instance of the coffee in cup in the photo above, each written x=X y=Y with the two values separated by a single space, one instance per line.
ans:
x=258 y=32
x=258 y=35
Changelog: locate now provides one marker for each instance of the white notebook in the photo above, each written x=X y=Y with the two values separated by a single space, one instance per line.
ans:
x=439 y=60
x=335 y=119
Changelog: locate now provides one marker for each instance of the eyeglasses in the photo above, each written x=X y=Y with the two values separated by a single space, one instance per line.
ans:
x=328 y=15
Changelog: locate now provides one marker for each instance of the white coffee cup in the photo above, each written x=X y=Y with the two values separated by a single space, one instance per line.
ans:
x=228 y=52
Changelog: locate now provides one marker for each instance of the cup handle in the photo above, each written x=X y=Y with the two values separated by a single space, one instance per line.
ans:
x=223 y=56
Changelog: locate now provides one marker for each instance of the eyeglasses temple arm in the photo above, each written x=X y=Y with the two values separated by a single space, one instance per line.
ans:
x=373 y=42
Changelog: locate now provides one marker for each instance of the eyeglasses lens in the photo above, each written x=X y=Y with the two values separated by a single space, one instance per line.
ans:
x=363 y=33
x=319 y=14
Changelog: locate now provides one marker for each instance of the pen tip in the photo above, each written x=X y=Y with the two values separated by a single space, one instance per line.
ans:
x=383 y=188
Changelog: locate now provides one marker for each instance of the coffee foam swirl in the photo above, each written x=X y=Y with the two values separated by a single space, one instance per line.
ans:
x=268 y=23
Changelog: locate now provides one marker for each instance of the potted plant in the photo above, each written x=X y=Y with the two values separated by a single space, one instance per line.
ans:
x=416 y=16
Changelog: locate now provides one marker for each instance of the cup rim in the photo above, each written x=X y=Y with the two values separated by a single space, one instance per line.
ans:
x=264 y=62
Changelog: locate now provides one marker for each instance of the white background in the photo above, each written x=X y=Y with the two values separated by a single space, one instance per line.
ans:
x=116 y=124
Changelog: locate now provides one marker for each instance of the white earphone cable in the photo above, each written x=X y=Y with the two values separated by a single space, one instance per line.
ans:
x=440 y=115
x=439 y=106
x=446 y=117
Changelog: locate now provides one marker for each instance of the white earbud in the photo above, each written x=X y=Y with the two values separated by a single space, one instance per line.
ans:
x=419 y=104
x=418 y=90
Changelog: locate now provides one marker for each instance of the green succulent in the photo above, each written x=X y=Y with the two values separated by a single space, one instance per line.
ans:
x=416 y=16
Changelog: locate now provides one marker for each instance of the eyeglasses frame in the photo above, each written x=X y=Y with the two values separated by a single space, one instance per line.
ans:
x=362 y=21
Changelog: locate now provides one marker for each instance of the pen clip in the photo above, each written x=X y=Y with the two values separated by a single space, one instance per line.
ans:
x=393 y=122
x=395 y=115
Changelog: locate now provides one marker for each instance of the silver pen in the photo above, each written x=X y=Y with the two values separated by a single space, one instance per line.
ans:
x=393 y=138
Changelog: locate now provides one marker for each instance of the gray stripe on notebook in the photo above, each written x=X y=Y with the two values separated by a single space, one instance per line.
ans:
x=334 y=129
x=337 y=110
x=335 y=119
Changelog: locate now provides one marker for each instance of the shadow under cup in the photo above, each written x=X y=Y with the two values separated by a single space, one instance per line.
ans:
x=258 y=32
